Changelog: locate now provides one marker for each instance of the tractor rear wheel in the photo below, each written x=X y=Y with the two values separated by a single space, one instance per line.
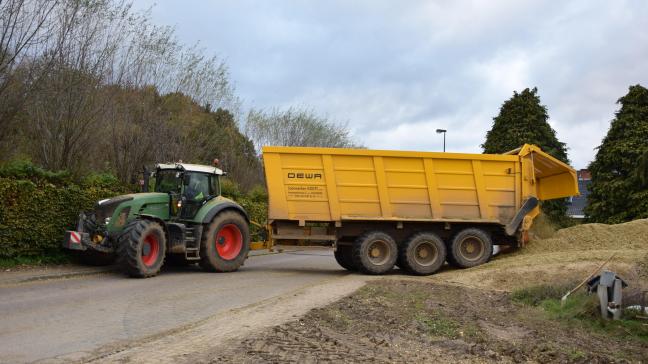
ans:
x=141 y=248
x=226 y=243
x=470 y=247
x=374 y=252
x=422 y=254
x=343 y=257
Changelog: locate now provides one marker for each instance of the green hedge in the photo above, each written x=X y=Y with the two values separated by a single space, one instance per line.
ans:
x=35 y=214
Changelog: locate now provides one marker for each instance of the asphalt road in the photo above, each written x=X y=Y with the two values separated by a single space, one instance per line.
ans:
x=68 y=317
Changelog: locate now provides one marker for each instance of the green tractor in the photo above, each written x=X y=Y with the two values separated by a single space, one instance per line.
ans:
x=184 y=219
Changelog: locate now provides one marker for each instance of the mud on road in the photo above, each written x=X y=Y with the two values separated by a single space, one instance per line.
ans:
x=395 y=320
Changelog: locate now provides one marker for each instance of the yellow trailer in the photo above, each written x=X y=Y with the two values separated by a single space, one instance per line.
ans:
x=414 y=209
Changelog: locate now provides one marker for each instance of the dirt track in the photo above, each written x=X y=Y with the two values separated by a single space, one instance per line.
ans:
x=407 y=321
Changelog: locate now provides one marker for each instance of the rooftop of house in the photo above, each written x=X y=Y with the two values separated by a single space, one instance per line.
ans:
x=577 y=204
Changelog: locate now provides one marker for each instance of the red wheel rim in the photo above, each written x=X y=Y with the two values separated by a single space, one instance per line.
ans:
x=229 y=242
x=150 y=250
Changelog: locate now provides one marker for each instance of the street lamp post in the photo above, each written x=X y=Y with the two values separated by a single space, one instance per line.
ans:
x=439 y=131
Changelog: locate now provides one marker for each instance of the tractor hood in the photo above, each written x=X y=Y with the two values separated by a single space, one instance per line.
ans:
x=106 y=208
x=153 y=197
x=110 y=204
x=116 y=211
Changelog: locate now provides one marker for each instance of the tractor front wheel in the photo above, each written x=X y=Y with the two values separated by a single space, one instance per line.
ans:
x=226 y=243
x=141 y=248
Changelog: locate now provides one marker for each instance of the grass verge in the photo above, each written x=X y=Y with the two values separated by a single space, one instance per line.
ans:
x=581 y=310
x=50 y=258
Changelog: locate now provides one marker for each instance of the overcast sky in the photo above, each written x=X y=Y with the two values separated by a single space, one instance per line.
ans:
x=395 y=71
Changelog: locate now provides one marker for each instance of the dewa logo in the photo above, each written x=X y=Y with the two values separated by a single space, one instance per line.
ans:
x=301 y=175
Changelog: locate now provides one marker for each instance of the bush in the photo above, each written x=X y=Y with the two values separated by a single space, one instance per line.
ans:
x=37 y=206
x=230 y=189
x=255 y=203
x=102 y=180
x=23 y=169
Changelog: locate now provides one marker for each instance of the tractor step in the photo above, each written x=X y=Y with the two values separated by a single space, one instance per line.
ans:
x=192 y=254
x=192 y=247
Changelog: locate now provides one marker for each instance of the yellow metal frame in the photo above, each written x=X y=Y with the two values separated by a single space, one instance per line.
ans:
x=385 y=153
x=268 y=243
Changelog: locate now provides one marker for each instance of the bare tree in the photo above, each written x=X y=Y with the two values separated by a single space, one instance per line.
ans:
x=96 y=85
x=296 y=127
x=25 y=26
x=71 y=100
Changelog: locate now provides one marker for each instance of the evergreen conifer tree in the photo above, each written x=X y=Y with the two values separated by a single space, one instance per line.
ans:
x=619 y=191
x=522 y=119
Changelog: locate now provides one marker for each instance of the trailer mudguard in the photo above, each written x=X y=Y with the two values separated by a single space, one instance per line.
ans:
x=527 y=206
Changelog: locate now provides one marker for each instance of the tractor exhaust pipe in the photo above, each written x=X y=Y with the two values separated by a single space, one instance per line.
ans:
x=145 y=179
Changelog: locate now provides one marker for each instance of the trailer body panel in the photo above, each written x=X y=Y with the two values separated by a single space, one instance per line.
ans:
x=334 y=185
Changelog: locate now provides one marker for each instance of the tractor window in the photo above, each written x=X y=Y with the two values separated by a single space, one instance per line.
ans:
x=196 y=186
x=167 y=181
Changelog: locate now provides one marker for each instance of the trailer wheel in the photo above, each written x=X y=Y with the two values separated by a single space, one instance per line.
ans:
x=422 y=254
x=141 y=248
x=343 y=256
x=374 y=252
x=226 y=243
x=470 y=247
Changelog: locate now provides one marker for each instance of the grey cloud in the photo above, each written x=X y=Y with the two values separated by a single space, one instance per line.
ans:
x=395 y=71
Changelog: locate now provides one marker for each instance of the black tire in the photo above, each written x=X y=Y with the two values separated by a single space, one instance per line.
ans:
x=141 y=248
x=94 y=258
x=374 y=252
x=470 y=247
x=343 y=257
x=219 y=249
x=422 y=254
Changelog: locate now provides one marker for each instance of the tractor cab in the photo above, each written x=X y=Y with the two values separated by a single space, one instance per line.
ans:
x=189 y=186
